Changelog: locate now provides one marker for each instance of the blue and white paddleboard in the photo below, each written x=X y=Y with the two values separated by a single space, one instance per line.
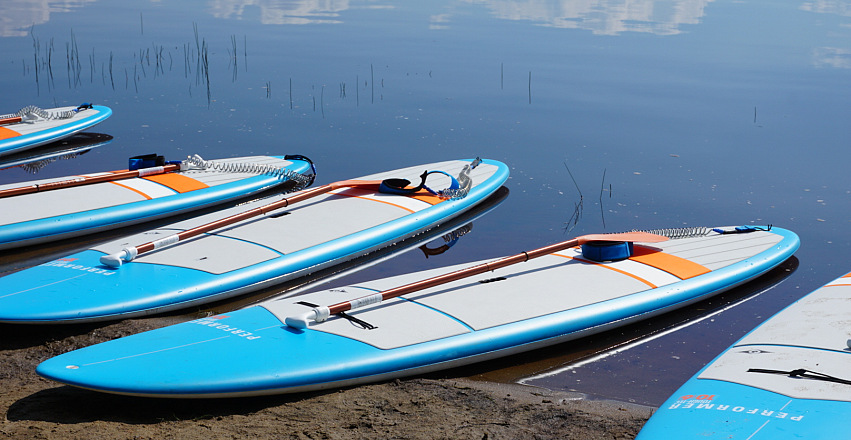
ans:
x=543 y=301
x=790 y=378
x=43 y=214
x=32 y=126
x=252 y=254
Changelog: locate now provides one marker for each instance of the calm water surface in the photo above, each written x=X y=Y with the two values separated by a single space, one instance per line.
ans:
x=612 y=116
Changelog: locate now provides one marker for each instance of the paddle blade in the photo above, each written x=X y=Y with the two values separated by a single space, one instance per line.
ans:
x=635 y=236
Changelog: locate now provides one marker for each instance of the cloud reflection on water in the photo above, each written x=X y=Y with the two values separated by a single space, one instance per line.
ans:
x=603 y=17
x=841 y=8
x=16 y=16
x=282 y=11
x=832 y=57
x=835 y=57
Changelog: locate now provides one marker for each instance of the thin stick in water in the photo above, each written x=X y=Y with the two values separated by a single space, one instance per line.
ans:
x=111 y=81
x=577 y=207
x=602 y=186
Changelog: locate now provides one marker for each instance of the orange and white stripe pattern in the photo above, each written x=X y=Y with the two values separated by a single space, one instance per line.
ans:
x=650 y=266
x=412 y=203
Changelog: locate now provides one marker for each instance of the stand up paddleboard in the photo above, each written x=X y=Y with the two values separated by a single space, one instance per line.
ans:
x=444 y=317
x=32 y=126
x=249 y=247
x=790 y=378
x=52 y=209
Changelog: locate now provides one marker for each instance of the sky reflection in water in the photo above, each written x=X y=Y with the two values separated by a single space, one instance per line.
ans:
x=666 y=113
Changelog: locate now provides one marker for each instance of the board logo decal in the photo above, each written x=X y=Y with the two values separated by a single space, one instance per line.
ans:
x=754 y=351
x=707 y=402
x=67 y=263
x=214 y=322
x=705 y=397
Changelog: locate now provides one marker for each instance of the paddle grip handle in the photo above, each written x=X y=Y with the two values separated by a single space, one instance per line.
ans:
x=117 y=259
x=301 y=322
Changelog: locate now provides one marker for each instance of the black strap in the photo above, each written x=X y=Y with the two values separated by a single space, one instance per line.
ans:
x=399 y=186
x=434 y=251
x=802 y=373
x=742 y=229
x=492 y=280
x=358 y=322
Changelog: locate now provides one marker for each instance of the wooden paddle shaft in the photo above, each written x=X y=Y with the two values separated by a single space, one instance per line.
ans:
x=321 y=313
x=375 y=298
x=189 y=233
x=452 y=276
x=41 y=187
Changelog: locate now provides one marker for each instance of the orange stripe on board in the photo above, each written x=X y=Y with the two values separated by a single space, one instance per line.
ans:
x=177 y=182
x=847 y=275
x=427 y=197
x=6 y=133
x=623 y=272
x=676 y=266
x=131 y=189
x=422 y=195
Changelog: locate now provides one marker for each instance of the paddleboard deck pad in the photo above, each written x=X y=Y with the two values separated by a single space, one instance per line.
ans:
x=789 y=378
x=65 y=212
x=543 y=301
x=255 y=253
x=32 y=126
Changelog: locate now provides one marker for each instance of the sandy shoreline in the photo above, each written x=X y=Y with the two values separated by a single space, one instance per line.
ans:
x=36 y=408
